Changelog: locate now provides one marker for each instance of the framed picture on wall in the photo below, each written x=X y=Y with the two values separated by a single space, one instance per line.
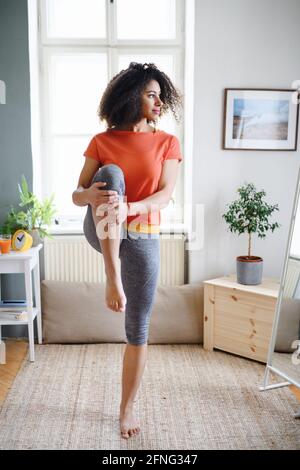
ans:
x=260 y=119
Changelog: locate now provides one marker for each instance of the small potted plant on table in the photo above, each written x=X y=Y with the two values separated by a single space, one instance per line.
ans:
x=250 y=214
x=35 y=217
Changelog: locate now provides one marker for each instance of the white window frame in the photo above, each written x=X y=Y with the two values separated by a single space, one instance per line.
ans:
x=114 y=48
x=111 y=39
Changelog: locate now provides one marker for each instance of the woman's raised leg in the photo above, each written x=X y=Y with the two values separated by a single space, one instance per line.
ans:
x=107 y=238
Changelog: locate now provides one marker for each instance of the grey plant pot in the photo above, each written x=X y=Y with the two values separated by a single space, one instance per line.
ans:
x=36 y=239
x=249 y=270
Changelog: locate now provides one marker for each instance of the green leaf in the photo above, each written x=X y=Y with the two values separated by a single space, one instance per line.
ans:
x=35 y=214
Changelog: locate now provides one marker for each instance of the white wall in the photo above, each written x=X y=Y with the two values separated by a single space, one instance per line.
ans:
x=240 y=43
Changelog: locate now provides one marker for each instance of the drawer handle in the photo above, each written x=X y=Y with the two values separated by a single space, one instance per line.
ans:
x=234 y=298
x=211 y=301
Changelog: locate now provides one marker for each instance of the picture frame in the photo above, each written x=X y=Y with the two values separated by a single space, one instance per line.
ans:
x=260 y=119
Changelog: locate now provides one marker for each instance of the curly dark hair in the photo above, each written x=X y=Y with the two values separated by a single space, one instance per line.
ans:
x=120 y=104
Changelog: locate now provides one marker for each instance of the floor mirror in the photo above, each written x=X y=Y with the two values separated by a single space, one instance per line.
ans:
x=284 y=348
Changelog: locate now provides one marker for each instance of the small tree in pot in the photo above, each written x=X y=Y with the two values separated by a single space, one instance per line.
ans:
x=250 y=214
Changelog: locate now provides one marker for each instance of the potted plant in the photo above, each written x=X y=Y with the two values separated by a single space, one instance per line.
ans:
x=250 y=214
x=35 y=217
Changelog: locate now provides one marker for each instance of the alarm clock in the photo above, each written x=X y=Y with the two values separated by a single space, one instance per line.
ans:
x=21 y=240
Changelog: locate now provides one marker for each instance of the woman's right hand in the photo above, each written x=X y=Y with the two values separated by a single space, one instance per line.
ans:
x=96 y=196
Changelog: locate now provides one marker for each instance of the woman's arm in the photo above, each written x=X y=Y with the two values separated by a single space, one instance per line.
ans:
x=161 y=198
x=90 y=167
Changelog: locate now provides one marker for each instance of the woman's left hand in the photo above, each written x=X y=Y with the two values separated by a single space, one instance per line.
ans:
x=115 y=212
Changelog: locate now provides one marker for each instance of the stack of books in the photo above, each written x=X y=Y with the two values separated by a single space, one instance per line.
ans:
x=13 y=310
x=6 y=314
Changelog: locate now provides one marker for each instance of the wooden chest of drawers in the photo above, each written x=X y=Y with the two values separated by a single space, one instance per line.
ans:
x=239 y=318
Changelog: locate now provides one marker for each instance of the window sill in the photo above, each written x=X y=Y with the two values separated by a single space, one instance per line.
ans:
x=76 y=229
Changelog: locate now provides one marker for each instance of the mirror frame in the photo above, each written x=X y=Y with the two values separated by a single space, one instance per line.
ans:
x=269 y=366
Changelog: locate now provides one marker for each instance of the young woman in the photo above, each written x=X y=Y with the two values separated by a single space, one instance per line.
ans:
x=129 y=174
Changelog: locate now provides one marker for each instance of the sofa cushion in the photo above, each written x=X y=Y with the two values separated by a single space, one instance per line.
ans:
x=177 y=315
x=288 y=325
x=75 y=312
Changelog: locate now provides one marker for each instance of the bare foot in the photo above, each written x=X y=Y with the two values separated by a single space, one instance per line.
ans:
x=114 y=295
x=129 y=426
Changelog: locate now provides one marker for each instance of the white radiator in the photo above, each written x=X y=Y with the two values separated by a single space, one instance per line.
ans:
x=71 y=258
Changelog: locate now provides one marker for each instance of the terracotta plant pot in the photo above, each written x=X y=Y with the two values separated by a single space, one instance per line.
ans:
x=249 y=270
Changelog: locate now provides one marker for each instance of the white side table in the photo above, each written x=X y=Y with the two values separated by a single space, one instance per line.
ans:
x=24 y=262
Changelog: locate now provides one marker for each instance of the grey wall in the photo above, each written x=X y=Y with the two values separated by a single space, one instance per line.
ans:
x=240 y=43
x=15 y=147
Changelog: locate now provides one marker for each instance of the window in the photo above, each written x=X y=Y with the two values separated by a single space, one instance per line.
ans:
x=84 y=43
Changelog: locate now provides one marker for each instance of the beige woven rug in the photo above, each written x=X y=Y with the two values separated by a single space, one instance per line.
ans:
x=189 y=399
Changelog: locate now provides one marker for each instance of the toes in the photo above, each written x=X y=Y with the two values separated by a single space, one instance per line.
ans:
x=129 y=432
x=134 y=431
x=121 y=307
x=125 y=433
x=116 y=306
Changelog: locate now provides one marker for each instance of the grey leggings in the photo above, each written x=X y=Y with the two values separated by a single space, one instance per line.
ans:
x=140 y=259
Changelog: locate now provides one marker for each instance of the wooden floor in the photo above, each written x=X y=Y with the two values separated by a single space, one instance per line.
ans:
x=296 y=391
x=16 y=351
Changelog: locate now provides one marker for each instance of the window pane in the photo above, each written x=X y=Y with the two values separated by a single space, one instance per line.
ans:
x=165 y=63
x=64 y=166
x=77 y=82
x=76 y=18
x=141 y=19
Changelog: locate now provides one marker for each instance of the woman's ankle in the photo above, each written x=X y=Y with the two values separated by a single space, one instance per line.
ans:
x=126 y=408
x=113 y=277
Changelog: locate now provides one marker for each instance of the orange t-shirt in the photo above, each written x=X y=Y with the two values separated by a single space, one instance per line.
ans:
x=140 y=155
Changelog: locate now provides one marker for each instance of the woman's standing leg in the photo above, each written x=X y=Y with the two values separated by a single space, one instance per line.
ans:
x=109 y=246
x=140 y=259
